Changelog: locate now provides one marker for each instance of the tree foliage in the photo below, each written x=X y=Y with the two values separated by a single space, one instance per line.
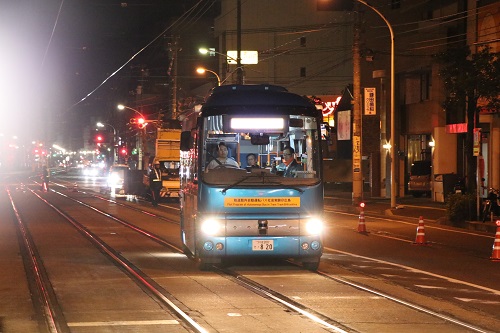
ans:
x=468 y=78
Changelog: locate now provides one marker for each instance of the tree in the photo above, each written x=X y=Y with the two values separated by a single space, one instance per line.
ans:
x=469 y=78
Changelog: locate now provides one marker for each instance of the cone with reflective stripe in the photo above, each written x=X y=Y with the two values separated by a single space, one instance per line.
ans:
x=495 y=255
x=75 y=187
x=420 y=238
x=361 y=224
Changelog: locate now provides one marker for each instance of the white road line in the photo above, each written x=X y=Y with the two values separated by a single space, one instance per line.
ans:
x=429 y=226
x=493 y=291
x=123 y=323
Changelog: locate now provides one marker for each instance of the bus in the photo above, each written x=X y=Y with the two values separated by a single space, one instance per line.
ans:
x=234 y=211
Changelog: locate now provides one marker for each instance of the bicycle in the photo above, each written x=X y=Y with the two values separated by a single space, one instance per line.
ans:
x=491 y=203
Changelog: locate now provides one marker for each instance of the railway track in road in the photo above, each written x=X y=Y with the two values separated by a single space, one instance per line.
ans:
x=52 y=310
x=293 y=306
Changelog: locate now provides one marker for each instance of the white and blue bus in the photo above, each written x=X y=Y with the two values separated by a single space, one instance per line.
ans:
x=232 y=210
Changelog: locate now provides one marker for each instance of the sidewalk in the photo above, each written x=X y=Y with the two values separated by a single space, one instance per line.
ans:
x=407 y=208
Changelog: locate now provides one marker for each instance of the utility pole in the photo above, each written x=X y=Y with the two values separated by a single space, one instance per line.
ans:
x=239 y=70
x=174 y=48
x=357 y=174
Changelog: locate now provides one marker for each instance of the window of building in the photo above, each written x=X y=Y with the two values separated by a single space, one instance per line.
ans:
x=302 y=72
x=417 y=87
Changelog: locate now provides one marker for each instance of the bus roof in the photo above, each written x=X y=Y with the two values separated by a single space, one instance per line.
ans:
x=261 y=98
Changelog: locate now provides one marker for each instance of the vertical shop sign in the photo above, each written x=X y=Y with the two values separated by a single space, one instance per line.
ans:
x=370 y=102
x=477 y=142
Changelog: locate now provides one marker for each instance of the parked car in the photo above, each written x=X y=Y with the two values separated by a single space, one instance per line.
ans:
x=420 y=182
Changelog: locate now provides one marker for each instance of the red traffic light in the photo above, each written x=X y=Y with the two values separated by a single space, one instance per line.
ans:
x=123 y=151
x=141 y=123
x=362 y=205
x=99 y=138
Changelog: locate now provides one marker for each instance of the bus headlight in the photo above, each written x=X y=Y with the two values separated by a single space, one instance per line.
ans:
x=314 y=226
x=210 y=227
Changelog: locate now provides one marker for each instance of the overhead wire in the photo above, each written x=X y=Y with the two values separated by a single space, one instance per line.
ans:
x=181 y=18
x=51 y=35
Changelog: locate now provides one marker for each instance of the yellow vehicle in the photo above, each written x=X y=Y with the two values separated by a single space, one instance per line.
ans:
x=167 y=152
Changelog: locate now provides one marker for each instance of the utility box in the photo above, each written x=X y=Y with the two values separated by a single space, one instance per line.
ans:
x=443 y=186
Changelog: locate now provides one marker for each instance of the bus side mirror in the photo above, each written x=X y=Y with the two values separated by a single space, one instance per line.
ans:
x=186 y=141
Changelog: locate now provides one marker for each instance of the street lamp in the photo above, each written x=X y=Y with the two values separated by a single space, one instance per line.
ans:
x=123 y=107
x=202 y=70
x=239 y=67
x=142 y=133
x=115 y=153
x=393 y=123
x=204 y=50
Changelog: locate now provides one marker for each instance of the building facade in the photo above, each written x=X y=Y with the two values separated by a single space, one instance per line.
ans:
x=307 y=47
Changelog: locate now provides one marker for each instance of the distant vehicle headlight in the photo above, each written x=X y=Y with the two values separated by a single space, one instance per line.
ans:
x=210 y=227
x=314 y=226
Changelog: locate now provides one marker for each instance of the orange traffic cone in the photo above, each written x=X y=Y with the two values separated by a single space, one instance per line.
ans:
x=420 y=238
x=361 y=224
x=75 y=187
x=495 y=255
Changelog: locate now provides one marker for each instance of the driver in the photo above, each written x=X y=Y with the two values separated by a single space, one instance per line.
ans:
x=222 y=158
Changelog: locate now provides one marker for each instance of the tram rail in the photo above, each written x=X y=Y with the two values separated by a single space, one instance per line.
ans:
x=322 y=320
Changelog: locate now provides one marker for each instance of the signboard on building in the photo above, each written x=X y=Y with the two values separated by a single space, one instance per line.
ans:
x=476 y=150
x=370 y=102
x=247 y=57
x=344 y=125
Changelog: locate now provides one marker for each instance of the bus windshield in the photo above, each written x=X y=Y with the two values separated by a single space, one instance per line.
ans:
x=255 y=151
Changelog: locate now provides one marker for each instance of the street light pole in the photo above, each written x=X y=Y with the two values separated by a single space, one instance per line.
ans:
x=239 y=68
x=393 y=121
x=123 y=107
x=202 y=70
x=115 y=153
x=142 y=132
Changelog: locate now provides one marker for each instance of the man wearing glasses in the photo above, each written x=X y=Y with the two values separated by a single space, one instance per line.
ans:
x=289 y=165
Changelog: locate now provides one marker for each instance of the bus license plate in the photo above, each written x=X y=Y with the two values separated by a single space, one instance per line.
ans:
x=262 y=245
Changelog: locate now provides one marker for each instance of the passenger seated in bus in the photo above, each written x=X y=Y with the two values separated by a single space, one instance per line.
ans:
x=222 y=159
x=252 y=161
x=289 y=165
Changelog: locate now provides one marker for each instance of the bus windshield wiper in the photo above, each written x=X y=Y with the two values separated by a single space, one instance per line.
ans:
x=264 y=175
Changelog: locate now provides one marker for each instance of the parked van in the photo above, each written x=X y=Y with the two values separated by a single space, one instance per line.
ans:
x=420 y=179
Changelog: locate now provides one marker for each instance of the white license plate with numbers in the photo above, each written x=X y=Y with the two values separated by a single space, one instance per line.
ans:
x=262 y=245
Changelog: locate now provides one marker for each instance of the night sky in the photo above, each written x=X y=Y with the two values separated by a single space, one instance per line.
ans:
x=56 y=52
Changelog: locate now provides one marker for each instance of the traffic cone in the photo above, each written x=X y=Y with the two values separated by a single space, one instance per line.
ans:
x=495 y=255
x=420 y=238
x=75 y=187
x=361 y=224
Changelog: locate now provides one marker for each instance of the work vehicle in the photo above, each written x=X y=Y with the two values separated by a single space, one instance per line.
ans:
x=116 y=179
x=167 y=152
x=231 y=212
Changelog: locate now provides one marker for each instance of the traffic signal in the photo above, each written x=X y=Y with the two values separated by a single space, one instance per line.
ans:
x=99 y=138
x=123 y=151
x=141 y=123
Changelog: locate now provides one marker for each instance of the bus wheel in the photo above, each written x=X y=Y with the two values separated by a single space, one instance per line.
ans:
x=311 y=265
